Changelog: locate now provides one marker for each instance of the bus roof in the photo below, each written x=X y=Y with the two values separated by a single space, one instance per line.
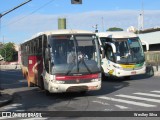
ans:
x=117 y=34
x=61 y=32
x=64 y=32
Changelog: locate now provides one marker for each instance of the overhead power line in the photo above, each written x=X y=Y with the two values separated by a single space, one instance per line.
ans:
x=2 y=14
x=28 y=14
x=8 y=11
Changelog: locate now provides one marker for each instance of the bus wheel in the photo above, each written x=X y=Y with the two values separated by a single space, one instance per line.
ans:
x=103 y=74
x=47 y=93
x=127 y=77
x=83 y=92
x=149 y=71
x=32 y=84
x=41 y=84
x=103 y=77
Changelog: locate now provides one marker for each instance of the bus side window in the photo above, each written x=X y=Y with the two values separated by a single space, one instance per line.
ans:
x=109 y=53
x=31 y=45
x=45 y=50
x=35 y=46
x=40 y=45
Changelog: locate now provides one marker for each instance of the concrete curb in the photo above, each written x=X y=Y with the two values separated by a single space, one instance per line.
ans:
x=5 y=99
x=7 y=67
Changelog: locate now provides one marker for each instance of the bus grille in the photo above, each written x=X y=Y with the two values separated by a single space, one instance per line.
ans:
x=77 y=81
x=77 y=88
x=129 y=69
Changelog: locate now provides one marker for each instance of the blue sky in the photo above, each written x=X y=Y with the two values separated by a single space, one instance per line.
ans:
x=42 y=15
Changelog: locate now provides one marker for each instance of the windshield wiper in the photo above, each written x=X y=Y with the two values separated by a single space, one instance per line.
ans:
x=70 y=68
x=72 y=65
x=134 y=55
x=82 y=61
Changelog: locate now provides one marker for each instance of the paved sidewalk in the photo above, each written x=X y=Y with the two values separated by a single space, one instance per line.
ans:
x=5 y=99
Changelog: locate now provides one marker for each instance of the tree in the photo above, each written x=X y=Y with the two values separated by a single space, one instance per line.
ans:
x=8 y=52
x=115 y=29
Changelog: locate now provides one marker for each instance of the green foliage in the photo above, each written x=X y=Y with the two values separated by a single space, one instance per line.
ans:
x=8 y=52
x=115 y=29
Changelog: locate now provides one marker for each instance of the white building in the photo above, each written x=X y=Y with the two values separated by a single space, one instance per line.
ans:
x=152 y=36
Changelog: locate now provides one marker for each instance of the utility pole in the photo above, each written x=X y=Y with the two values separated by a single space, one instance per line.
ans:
x=142 y=15
x=141 y=18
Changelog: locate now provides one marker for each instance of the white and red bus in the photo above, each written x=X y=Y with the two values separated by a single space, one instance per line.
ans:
x=62 y=61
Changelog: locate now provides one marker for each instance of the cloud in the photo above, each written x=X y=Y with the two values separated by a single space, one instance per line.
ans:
x=119 y=18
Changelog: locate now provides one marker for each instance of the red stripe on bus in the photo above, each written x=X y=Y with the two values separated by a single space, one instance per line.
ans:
x=91 y=76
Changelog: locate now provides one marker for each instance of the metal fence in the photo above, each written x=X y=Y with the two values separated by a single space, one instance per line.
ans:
x=153 y=57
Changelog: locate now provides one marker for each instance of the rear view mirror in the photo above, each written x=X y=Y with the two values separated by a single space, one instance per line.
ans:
x=47 y=54
x=103 y=54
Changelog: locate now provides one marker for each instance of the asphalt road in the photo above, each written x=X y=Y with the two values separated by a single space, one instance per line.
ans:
x=140 y=94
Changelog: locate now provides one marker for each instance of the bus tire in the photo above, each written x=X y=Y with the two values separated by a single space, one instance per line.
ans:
x=83 y=92
x=41 y=83
x=127 y=77
x=31 y=84
x=103 y=74
x=47 y=93
x=149 y=71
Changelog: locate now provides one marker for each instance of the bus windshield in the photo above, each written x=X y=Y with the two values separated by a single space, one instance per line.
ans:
x=74 y=54
x=129 y=50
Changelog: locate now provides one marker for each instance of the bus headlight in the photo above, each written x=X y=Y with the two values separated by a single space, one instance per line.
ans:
x=60 y=82
x=95 y=80
x=118 y=67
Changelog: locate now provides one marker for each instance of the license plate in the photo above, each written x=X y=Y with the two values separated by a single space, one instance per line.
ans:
x=92 y=87
x=133 y=73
